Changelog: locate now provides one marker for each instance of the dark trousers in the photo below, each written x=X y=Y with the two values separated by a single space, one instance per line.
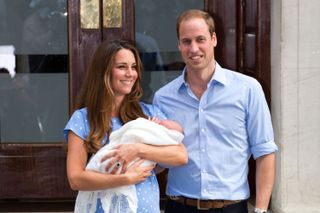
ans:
x=175 y=207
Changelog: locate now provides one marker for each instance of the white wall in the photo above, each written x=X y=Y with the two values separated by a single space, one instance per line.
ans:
x=295 y=51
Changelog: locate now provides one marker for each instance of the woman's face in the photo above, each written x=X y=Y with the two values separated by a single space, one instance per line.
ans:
x=124 y=73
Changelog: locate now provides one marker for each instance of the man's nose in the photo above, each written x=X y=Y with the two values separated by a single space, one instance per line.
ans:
x=194 y=47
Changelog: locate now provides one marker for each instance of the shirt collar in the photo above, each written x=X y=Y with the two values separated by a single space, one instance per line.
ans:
x=218 y=76
x=181 y=82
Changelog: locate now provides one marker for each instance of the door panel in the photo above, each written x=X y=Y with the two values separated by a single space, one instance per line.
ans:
x=83 y=41
x=30 y=174
x=158 y=46
x=34 y=99
x=226 y=22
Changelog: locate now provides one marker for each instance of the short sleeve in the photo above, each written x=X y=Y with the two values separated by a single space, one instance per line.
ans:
x=78 y=124
x=152 y=111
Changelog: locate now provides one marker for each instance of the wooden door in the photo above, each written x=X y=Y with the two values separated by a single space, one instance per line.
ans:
x=33 y=105
x=242 y=27
x=33 y=175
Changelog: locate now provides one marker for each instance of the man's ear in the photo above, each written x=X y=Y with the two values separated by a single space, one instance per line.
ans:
x=214 y=39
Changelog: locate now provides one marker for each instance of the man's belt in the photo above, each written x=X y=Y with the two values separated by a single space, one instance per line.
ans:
x=203 y=204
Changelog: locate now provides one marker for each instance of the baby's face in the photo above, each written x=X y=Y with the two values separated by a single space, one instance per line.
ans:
x=171 y=125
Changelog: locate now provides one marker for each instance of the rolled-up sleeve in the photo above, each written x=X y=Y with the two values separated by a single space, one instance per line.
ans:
x=259 y=125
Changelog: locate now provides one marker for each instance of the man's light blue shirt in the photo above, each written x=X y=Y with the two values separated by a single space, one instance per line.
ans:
x=230 y=122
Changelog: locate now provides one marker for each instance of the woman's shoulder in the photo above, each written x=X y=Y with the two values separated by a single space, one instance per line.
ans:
x=78 y=117
x=78 y=123
x=80 y=112
x=152 y=110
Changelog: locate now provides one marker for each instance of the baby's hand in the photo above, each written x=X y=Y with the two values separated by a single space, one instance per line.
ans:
x=155 y=119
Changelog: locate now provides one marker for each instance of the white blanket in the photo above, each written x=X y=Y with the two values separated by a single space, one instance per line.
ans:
x=123 y=199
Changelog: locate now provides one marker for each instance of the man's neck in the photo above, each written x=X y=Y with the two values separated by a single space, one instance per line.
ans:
x=199 y=79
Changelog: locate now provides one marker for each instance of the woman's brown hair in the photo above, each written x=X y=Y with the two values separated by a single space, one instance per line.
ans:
x=98 y=97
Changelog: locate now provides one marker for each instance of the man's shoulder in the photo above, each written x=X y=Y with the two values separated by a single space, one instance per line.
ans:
x=170 y=87
x=239 y=78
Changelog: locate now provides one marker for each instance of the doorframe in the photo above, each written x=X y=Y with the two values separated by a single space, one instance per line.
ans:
x=243 y=43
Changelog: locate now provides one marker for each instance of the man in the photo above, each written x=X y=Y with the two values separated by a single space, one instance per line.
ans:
x=225 y=119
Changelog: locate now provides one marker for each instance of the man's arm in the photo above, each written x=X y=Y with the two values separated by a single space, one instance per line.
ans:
x=265 y=174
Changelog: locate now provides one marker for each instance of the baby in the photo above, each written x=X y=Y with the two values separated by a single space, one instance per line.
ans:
x=154 y=132
x=170 y=124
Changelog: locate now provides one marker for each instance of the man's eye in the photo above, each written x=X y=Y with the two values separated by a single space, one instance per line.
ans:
x=186 y=42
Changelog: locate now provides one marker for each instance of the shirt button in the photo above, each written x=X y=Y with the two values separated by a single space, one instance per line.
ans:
x=203 y=150
x=204 y=190
x=201 y=110
x=202 y=130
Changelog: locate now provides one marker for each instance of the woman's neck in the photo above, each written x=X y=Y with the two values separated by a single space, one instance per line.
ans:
x=116 y=109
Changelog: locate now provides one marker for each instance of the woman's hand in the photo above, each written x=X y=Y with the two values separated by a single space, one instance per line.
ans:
x=121 y=155
x=136 y=173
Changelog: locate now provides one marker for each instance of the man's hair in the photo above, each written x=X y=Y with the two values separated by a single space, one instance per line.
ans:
x=189 y=14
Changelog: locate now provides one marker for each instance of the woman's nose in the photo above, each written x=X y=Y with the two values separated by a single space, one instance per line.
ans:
x=129 y=72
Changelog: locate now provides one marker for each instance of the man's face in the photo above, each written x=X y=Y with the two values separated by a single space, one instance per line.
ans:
x=196 y=44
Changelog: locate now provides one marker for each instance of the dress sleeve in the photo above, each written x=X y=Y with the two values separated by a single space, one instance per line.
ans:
x=78 y=124
x=152 y=111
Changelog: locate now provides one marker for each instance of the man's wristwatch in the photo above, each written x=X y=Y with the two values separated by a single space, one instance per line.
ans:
x=257 y=210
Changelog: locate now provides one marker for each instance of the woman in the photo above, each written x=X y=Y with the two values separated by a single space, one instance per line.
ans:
x=109 y=98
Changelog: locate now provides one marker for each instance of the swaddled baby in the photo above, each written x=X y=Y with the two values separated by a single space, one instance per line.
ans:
x=124 y=199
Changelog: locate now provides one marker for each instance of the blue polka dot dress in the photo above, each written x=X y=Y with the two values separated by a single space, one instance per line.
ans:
x=148 y=190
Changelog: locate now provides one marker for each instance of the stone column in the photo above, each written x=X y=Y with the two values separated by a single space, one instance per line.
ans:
x=295 y=59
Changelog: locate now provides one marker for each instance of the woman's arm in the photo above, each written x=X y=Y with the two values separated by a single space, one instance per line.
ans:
x=171 y=155
x=80 y=179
